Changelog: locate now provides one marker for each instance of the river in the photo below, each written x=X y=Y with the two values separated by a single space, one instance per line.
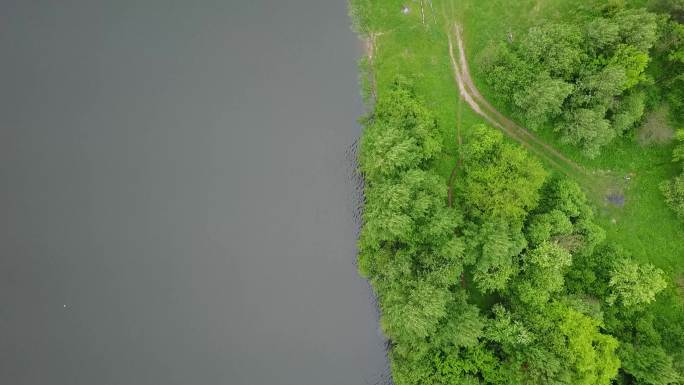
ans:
x=176 y=198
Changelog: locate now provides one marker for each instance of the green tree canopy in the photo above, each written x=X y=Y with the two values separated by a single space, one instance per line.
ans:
x=543 y=99
x=543 y=270
x=575 y=75
x=555 y=47
x=501 y=180
x=587 y=129
x=634 y=284
x=401 y=134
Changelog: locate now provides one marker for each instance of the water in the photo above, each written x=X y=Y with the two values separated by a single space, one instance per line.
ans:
x=176 y=199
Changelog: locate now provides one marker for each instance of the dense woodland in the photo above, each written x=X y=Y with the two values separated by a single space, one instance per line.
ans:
x=588 y=80
x=585 y=78
x=513 y=281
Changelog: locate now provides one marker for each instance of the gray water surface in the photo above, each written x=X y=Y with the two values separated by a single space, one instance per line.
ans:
x=175 y=198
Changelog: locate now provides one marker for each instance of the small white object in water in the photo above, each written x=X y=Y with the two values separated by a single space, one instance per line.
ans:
x=405 y=10
x=64 y=305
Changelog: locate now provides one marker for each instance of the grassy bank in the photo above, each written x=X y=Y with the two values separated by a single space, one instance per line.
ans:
x=455 y=325
x=645 y=226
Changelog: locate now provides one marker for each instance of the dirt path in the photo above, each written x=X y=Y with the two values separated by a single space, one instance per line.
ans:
x=481 y=106
x=369 y=45
x=597 y=183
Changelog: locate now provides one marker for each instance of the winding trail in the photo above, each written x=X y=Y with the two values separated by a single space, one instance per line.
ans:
x=369 y=45
x=596 y=182
x=482 y=107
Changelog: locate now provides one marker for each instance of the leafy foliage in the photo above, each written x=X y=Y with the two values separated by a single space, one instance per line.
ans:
x=673 y=189
x=501 y=180
x=543 y=271
x=633 y=284
x=577 y=76
x=408 y=246
x=401 y=135
x=543 y=99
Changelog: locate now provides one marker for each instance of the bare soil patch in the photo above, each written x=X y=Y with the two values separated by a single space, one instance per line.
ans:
x=616 y=198
x=656 y=129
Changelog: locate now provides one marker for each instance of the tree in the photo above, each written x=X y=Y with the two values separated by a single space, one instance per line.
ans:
x=673 y=7
x=470 y=366
x=673 y=190
x=672 y=48
x=504 y=69
x=601 y=35
x=401 y=134
x=409 y=252
x=597 y=89
x=678 y=152
x=569 y=348
x=543 y=99
x=565 y=195
x=542 y=273
x=633 y=61
x=510 y=334
x=648 y=364
x=587 y=129
x=590 y=272
x=591 y=353
x=408 y=246
x=411 y=370
x=462 y=327
x=514 y=285
x=543 y=227
x=556 y=47
x=628 y=112
x=410 y=209
x=634 y=284
x=497 y=243
x=638 y=28
x=413 y=312
x=500 y=179
x=574 y=75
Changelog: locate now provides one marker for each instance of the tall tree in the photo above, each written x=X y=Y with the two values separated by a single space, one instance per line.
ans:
x=542 y=100
x=400 y=135
x=587 y=129
x=634 y=284
x=556 y=47
x=543 y=270
x=501 y=180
